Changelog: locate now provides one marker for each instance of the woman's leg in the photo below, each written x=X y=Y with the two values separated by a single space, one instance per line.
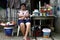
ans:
x=28 y=24
x=22 y=26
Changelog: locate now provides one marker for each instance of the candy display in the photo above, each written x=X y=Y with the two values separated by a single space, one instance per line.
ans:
x=36 y=12
x=46 y=10
x=8 y=27
x=8 y=23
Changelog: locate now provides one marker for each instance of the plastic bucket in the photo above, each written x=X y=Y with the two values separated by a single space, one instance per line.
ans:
x=8 y=31
x=46 y=32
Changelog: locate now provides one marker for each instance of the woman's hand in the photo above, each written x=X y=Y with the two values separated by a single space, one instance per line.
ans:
x=23 y=17
x=27 y=15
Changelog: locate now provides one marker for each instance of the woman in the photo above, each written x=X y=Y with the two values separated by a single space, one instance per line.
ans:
x=24 y=19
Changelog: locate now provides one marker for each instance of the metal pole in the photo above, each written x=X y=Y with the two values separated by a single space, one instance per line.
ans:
x=7 y=10
x=55 y=7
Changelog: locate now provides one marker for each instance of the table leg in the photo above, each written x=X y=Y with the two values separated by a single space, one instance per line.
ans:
x=52 y=25
x=34 y=31
x=40 y=24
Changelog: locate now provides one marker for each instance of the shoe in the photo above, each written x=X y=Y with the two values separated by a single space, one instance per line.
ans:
x=28 y=38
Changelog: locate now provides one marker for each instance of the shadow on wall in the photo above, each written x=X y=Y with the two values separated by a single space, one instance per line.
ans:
x=57 y=22
x=3 y=3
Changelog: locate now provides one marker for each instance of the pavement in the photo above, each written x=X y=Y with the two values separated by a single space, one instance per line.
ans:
x=4 y=37
x=56 y=36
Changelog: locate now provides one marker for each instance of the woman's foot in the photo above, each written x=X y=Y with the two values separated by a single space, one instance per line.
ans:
x=28 y=38
x=25 y=38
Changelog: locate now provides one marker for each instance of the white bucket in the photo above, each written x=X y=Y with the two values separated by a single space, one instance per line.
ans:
x=46 y=32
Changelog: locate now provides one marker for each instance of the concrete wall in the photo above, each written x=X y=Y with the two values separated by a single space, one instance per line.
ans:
x=2 y=14
x=52 y=2
x=57 y=19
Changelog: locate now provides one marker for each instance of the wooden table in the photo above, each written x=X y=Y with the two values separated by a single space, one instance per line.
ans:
x=43 y=18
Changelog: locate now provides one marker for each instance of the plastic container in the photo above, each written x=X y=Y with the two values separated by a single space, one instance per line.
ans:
x=36 y=12
x=46 y=32
x=40 y=14
x=8 y=31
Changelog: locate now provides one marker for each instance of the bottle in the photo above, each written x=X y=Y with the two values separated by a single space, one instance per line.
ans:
x=36 y=12
x=44 y=14
x=40 y=14
x=47 y=13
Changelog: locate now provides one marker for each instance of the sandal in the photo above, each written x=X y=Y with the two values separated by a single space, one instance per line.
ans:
x=24 y=39
x=28 y=38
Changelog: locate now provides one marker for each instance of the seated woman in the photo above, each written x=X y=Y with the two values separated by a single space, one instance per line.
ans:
x=24 y=19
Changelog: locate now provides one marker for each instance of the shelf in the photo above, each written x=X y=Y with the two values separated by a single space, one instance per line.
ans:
x=45 y=25
x=42 y=17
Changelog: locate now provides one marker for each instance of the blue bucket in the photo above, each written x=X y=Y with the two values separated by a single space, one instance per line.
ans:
x=8 y=31
x=46 y=34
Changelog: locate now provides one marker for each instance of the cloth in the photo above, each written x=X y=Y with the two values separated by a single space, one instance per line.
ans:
x=15 y=3
x=23 y=1
x=23 y=21
x=23 y=13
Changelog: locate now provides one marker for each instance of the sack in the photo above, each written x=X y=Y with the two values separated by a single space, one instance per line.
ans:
x=36 y=31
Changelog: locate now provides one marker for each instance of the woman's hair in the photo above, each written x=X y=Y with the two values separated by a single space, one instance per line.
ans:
x=23 y=4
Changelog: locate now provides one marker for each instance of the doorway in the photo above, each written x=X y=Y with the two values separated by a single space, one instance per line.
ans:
x=3 y=4
x=35 y=3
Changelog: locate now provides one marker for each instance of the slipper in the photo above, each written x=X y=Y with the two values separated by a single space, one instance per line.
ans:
x=28 y=38
x=24 y=39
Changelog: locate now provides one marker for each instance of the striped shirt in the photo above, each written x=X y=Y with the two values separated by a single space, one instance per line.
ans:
x=23 y=13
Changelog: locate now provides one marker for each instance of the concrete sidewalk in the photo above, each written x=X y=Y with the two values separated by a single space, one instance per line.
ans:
x=3 y=37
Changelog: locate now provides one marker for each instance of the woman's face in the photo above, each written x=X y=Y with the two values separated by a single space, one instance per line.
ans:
x=23 y=7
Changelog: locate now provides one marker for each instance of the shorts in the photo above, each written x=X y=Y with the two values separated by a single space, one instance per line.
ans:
x=23 y=21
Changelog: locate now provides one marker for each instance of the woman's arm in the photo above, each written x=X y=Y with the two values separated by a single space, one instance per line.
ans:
x=20 y=15
x=27 y=14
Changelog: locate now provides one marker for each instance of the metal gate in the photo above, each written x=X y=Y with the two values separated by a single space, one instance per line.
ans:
x=10 y=13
